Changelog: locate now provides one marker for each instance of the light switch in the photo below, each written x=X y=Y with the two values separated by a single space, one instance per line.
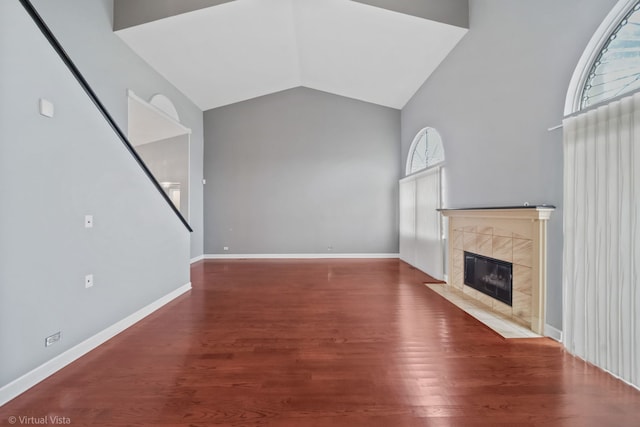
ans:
x=88 y=221
x=46 y=107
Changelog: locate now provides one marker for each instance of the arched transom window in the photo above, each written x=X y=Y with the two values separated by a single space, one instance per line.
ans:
x=426 y=151
x=610 y=64
x=616 y=69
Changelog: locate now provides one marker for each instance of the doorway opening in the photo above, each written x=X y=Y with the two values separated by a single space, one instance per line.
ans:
x=163 y=144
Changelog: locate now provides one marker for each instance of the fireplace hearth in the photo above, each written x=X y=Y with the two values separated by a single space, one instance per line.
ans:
x=490 y=276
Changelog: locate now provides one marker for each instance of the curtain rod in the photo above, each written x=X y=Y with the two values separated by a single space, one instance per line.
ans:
x=594 y=106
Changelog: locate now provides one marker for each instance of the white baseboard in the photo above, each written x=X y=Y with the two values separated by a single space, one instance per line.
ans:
x=28 y=380
x=299 y=256
x=616 y=376
x=636 y=386
x=552 y=332
x=196 y=259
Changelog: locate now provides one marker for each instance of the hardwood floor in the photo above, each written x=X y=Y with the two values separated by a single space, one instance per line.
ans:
x=324 y=343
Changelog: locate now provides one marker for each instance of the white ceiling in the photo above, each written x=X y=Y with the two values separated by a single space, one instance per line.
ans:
x=247 y=48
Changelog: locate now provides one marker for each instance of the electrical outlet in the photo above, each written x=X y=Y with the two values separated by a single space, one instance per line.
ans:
x=52 y=339
x=88 y=280
x=88 y=221
x=226 y=248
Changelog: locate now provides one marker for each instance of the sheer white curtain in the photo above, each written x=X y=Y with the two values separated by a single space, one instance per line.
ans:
x=420 y=231
x=429 y=251
x=601 y=237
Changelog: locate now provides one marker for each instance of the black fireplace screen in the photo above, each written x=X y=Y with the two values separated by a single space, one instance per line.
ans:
x=489 y=276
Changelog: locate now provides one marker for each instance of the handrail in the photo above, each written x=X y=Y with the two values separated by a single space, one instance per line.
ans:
x=96 y=101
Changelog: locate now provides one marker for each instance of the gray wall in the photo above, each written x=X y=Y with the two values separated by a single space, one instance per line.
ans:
x=453 y=12
x=85 y=30
x=299 y=171
x=493 y=99
x=53 y=172
x=129 y=13
x=168 y=160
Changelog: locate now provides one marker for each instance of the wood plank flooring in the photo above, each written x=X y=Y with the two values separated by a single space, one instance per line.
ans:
x=324 y=343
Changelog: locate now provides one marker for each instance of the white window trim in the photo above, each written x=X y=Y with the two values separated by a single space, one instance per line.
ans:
x=412 y=148
x=438 y=167
x=581 y=73
x=417 y=174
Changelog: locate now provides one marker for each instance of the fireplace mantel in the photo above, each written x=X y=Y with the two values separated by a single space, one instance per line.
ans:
x=516 y=234
x=542 y=212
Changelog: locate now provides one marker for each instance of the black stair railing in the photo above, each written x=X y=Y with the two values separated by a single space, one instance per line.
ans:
x=96 y=101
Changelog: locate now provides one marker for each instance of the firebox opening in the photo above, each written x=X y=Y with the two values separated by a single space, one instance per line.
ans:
x=490 y=276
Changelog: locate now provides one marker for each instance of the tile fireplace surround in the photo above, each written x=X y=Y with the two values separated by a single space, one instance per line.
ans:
x=514 y=234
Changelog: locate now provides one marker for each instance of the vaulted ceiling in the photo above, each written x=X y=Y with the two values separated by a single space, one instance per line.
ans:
x=219 y=52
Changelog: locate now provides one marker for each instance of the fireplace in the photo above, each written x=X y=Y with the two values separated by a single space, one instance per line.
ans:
x=513 y=235
x=490 y=276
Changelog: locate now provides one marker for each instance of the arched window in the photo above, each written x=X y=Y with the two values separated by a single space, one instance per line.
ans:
x=610 y=65
x=426 y=151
